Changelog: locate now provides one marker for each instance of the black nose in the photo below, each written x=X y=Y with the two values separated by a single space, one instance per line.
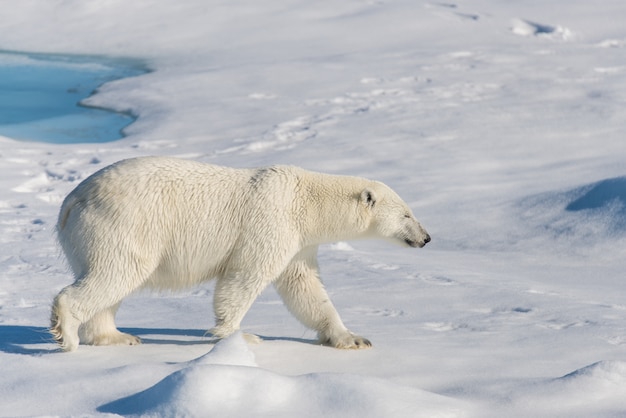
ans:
x=427 y=239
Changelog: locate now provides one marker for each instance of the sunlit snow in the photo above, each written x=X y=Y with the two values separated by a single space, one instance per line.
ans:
x=500 y=123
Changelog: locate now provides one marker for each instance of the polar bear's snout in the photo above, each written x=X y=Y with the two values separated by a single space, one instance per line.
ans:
x=416 y=237
x=419 y=243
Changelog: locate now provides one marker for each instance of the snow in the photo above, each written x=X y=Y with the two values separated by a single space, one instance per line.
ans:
x=500 y=123
x=228 y=380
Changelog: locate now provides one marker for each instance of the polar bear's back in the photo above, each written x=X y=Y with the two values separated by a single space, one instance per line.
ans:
x=162 y=209
x=150 y=187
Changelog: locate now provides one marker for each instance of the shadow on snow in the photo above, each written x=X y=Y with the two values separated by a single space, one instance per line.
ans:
x=601 y=194
x=20 y=339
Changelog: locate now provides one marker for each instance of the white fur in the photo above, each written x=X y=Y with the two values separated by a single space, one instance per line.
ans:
x=167 y=223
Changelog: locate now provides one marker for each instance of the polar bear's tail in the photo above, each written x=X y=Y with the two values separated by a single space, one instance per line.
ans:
x=64 y=214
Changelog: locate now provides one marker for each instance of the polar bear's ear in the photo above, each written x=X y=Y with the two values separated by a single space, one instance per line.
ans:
x=368 y=198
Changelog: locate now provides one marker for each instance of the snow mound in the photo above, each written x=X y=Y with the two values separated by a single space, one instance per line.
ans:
x=594 y=213
x=602 y=203
x=595 y=390
x=611 y=372
x=602 y=381
x=231 y=351
x=605 y=193
x=226 y=381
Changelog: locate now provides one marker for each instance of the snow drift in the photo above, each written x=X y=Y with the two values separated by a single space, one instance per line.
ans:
x=500 y=123
x=227 y=382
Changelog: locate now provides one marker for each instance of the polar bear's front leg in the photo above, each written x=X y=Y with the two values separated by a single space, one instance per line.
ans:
x=302 y=291
x=232 y=299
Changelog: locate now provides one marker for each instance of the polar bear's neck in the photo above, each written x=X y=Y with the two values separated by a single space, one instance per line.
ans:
x=330 y=208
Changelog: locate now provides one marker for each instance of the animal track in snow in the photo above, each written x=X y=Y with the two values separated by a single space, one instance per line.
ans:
x=507 y=310
x=613 y=43
x=286 y=134
x=380 y=95
x=451 y=10
x=443 y=326
x=558 y=325
x=43 y=184
x=617 y=340
x=609 y=70
x=36 y=184
x=386 y=312
x=383 y=266
x=384 y=94
x=37 y=173
x=283 y=136
x=436 y=280
x=464 y=92
x=525 y=27
x=262 y=96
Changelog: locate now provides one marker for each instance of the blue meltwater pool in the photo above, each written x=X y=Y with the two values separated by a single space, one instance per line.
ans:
x=40 y=97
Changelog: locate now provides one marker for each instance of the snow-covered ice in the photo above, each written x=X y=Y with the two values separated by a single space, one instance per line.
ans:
x=501 y=123
x=229 y=382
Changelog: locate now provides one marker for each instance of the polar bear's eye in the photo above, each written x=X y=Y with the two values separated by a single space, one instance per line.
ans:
x=406 y=215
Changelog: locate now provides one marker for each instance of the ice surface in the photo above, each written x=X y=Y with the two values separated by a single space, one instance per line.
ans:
x=234 y=386
x=516 y=308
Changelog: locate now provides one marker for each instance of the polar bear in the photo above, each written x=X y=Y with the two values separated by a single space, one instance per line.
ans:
x=168 y=223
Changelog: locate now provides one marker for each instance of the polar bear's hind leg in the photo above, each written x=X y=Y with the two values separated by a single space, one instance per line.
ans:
x=101 y=330
x=90 y=301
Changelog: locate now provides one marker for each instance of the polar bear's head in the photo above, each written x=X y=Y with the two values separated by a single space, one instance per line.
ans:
x=391 y=218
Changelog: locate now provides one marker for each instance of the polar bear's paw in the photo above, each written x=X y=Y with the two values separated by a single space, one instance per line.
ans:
x=346 y=341
x=114 y=338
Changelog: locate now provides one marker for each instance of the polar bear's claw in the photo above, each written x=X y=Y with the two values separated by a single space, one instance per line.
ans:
x=347 y=342
x=114 y=338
